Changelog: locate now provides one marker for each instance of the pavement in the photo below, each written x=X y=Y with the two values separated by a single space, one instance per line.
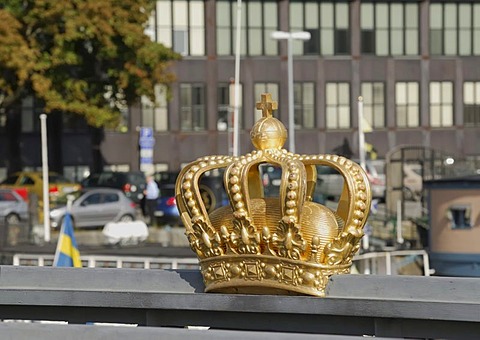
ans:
x=163 y=241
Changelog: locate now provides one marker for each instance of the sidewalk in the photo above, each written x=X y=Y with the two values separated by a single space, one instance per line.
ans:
x=165 y=236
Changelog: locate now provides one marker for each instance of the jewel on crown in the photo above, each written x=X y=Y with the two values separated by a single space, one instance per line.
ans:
x=273 y=245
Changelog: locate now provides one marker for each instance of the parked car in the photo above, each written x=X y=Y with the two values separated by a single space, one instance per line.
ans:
x=31 y=182
x=13 y=208
x=132 y=183
x=96 y=207
x=211 y=190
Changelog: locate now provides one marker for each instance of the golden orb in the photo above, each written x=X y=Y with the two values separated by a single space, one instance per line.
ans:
x=268 y=132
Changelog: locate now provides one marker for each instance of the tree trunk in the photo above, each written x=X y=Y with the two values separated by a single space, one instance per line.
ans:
x=14 y=133
x=97 y=158
x=55 y=132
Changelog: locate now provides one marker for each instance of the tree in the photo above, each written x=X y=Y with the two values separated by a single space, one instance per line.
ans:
x=86 y=57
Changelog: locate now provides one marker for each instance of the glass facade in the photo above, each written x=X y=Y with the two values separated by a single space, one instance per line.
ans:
x=389 y=28
x=455 y=28
x=180 y=25
x=414 y=66
x=258 y=20
x=328 y=24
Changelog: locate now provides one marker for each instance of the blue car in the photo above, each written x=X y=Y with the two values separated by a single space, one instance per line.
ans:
x=211 y=188
x=167 y=212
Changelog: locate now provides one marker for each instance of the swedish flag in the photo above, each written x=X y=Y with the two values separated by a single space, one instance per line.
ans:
x=67 y=254
x=371 y=151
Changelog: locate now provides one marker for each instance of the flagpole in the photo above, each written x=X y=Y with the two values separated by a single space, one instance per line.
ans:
x=236 y=111
x=46 y=198
x=361 y=133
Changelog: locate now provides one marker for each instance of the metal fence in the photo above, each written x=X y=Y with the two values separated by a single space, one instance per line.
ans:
x=408 y=262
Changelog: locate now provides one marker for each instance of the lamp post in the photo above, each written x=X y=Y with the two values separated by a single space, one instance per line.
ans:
x=289 y=36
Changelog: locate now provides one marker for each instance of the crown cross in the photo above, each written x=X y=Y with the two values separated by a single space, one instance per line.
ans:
x=267 y=105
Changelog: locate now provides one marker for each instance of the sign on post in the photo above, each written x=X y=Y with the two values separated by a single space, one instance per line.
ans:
x=146 y=142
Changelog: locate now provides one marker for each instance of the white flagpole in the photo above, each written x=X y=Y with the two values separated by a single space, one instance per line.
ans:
x=46 y=198
x=236 y=111
x=361 y=133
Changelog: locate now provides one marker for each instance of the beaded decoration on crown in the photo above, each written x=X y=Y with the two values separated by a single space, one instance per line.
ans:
x=273 y=245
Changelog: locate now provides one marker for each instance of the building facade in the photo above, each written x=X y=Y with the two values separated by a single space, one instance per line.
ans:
x=415 y=63
x=454 y=216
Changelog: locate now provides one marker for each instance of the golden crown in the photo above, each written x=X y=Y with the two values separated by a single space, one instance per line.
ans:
x=273 y=245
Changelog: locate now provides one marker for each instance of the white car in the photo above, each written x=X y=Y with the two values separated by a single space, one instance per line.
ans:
x=13 y=208
x=95 y=208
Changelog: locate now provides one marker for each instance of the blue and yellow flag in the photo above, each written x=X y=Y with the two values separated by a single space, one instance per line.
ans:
x=67 y=254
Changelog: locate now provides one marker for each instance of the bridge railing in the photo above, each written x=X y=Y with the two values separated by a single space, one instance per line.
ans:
x=412 y=262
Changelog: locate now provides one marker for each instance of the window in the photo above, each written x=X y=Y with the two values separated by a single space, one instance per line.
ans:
x=11 y=180
x=441 y=103
x=72 y=122
x=374 y=104
x=180 y=25
x=407 y=104
x=389 y=28
x=338 y=106
x=225 y=106
x=471 y=103
x=259 y=20
x=260 y=88
x=116 y=167
x=92 y=199
x=76 y=172
x=159 y=167
x=304 y=105
x=3 y=172
x=156 y=115
x=30 y=110
x=111 y=198
x=455 y=28
x=328 y=24
x=192 y=107
x=3 y=120
x=459 y=216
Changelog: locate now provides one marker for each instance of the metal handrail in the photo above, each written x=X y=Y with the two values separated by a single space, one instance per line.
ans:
x=96 y=261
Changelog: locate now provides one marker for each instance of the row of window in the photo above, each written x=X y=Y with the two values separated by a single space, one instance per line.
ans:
x=387 y=28
x=337 y=105
x=193 y=117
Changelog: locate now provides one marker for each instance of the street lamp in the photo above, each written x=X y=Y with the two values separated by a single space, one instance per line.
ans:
x=289 y=36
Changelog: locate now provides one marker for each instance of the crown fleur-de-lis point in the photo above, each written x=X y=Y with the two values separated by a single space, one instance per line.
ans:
x=267 y=105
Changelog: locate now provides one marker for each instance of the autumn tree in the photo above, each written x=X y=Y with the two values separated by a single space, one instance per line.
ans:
x=83 y=57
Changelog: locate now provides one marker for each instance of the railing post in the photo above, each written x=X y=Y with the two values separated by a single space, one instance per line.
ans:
x=388 y=263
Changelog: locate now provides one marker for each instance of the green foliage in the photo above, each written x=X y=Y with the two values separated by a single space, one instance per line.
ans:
x=89 y=57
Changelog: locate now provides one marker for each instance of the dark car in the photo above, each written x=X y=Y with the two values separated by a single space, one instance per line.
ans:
x=132 y=183
x=211 y=189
